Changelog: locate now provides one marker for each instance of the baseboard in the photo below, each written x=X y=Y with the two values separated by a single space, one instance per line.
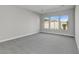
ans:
x=12 y=38
x=59 y=34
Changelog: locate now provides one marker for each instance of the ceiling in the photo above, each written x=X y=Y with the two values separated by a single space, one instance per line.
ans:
x=42 y=9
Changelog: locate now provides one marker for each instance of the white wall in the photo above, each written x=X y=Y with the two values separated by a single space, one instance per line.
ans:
x=16 y=22
x=71 y=28
x=77 y=25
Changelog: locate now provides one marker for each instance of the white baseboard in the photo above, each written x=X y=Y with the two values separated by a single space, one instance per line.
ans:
x=12 y=38
x=59 y=34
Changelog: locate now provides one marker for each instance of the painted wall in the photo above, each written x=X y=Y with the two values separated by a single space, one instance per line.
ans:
x=77 y=25
x=16 y=22
x=71 y=28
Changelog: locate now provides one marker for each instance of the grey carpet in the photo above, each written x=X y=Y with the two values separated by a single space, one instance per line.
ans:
x=40 y=43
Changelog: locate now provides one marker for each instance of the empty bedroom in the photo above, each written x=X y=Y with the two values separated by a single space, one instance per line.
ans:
x=39 y=29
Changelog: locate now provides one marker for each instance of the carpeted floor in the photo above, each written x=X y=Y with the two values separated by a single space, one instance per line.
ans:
x=40 y=43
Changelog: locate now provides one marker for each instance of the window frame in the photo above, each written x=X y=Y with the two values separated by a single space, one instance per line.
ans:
x=59 y=20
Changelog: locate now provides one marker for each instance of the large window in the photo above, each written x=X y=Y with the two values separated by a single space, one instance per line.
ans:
x=64 y=22
x=56 y=22
x=46 y=23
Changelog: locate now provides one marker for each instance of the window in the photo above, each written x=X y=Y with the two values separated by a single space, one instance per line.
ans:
x=56 y=22
x=46 y=23
x=64 y=22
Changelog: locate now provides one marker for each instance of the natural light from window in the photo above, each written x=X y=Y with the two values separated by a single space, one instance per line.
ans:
x=56 y=22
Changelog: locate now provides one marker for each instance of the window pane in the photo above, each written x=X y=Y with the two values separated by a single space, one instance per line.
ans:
x=52 y=25
x=64 y=22
x=54 y=22
x=46 y=23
